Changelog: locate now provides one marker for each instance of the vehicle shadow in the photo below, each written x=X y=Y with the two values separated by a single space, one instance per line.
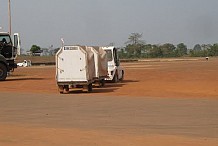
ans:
x=95 y=90
x=119 y=84
x=108 y=88
x=130 y=81
x=23 y=79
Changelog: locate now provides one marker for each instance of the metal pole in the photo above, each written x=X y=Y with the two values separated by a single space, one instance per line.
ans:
x=9 y=15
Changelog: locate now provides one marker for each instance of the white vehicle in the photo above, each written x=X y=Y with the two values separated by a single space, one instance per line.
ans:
x=25 y=63
x=8 y=53
x=75 y=68
x=101 y=66
x=115 y=71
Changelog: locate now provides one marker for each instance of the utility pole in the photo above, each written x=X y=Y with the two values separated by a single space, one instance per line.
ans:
x=9 y=15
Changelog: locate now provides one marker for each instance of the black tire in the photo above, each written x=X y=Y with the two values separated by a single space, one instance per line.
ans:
x=61 y=89
x=3 y=72
x=1 y=45
x=122 y=78
x=115 y=79
x=90 y=87
x=66 y=89
x=102 y=82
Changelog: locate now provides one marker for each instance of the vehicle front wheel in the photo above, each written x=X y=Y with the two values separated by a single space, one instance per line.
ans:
x=115 y=79
x=3 y=72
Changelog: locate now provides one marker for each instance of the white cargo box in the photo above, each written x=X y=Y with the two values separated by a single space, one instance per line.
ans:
x=101 y=65
x=75 y=65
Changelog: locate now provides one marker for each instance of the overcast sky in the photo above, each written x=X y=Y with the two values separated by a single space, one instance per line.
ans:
x=101 y=22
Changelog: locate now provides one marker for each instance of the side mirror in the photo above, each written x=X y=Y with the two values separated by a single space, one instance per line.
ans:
x=17 y=43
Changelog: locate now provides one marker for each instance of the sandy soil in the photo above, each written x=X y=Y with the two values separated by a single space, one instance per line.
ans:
x=197 y=78
x=25 y=136
x=193 y=80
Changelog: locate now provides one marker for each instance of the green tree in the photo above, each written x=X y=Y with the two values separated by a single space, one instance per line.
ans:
x=122 y=53
x=130 y=49
x=146 y=50
x=213 y=51
x=134 y=45
x=181 y=50
x=197 y=47
x=168 y=50
x=155 y=51
x=206 y=46
x=198 y=52
x=35 y=48
x=135 y=38
x=56 y=50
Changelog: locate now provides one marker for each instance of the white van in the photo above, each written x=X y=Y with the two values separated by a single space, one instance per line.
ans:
x=115 y=71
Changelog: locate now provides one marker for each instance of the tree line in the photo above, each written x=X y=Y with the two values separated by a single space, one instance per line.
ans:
x=137 y=48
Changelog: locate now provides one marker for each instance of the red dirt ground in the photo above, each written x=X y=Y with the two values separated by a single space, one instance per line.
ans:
x=193 y=78
x=188 y=79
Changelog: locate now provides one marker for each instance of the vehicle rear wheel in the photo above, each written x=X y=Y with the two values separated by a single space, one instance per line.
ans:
x=102 y=83
x=90 y=87
x=3 y=72
x=87 y=88
x=66 y=89
x=122 y=78
x=61 y=89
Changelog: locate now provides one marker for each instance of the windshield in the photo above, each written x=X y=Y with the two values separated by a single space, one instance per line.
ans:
x=5 y=39
x=109 y=55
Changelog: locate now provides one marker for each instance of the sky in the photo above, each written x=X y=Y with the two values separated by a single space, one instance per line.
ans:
x=101 y=22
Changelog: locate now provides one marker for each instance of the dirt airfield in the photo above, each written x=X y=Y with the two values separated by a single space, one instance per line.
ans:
x=165 y=102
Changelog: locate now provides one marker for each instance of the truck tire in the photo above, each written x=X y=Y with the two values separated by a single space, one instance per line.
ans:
x=3 y=72
x=122 y=78
x=115 y=79
x=87 y=88
x=102 y=83
x=66 y=89
x=61 y=89
x=90 y=87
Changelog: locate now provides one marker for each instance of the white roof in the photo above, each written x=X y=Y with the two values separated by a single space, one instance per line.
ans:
x=108 y=48
x=4 y=33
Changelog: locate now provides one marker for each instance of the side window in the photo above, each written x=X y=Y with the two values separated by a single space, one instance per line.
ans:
x=15 y=41
x=116 y=59
x=6 y=39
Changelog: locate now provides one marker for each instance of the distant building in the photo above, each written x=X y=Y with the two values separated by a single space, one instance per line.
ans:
x=29 y=53
x=38 y=53
x=42 y=52
x=45 y=52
